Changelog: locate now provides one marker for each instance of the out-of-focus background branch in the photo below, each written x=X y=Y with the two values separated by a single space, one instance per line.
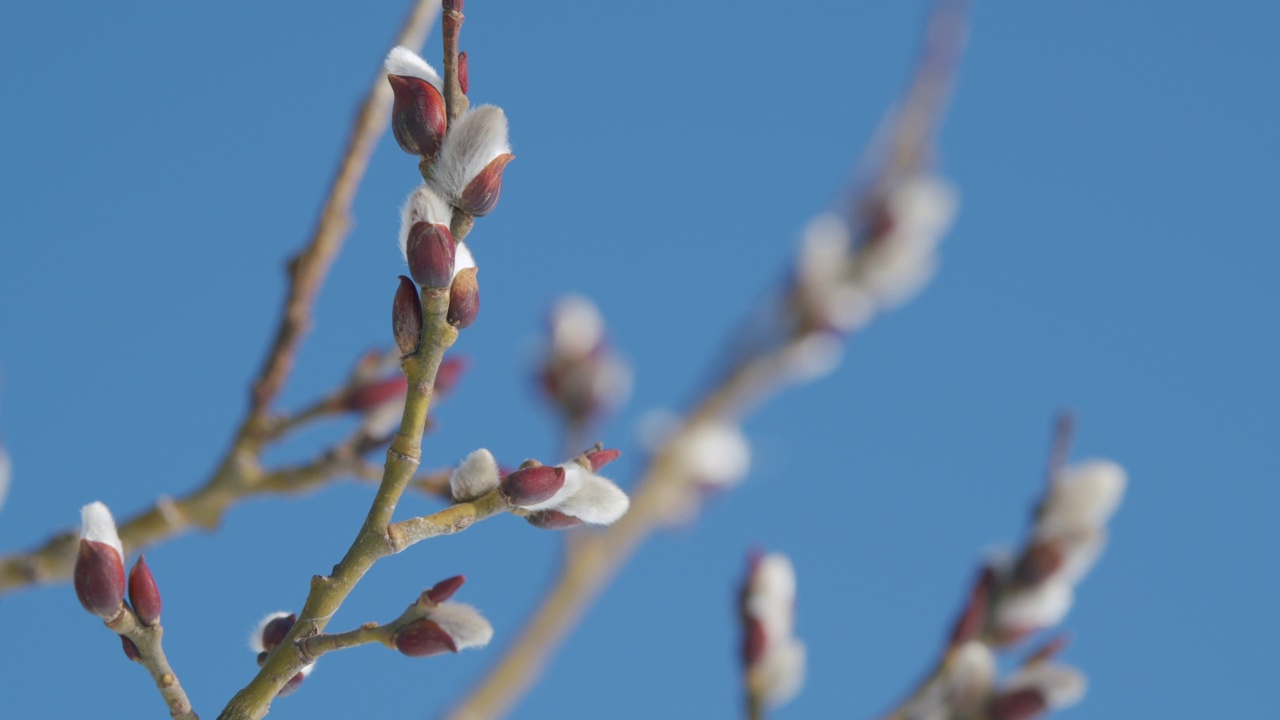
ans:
x=1109 y=254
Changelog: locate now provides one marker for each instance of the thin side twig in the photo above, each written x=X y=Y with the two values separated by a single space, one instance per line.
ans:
x=147 y=640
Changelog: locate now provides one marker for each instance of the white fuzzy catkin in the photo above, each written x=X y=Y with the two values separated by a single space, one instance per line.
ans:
x=477 y=475
x=781 y=670
x=463 y=623
x=1042 y=606
x=574 y=474
x=586 y=496
x=896 y=266
x=422 y=205
x=462 y=259
x=1059 y=684
x=476 y=138
x=97 y=525
x=255 y=638
x=383 y=418
x=598 y=501
x=403 y=61
x=715 y=453
x=778 y=673
x=577 y=327
x=1084 y=495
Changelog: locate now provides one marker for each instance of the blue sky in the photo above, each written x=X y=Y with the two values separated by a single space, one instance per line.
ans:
x=1114 y=254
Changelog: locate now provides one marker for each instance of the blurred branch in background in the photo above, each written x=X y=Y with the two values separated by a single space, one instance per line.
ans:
x=1019 y=594
x=851 y=266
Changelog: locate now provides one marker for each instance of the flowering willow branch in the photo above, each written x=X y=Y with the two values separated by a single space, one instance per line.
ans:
x=372 y=542
x=462 y=166
x=239 y=470
x=101 y=585
x=1020 y=594
x=873 y=258
x=773 y=658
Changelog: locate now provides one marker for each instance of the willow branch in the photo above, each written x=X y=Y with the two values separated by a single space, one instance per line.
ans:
x=151 y=656
x=240 y=469
x=666 y=490
x=374 y=540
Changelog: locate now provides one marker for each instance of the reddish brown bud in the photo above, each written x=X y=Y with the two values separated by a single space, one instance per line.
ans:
x=294 y=683
x=973 y=619
x=130 y=650
x=600 y=458
x=464 y=299
x=552 y=520
x=449 y=373
x=463 y=80
x=1038 y=562
x=418 y=118
x=753 y=641
x=1021 y=704
x=530 y=486
x=406 y=317
x=445 y=589
x=481 y=194
x=99 y=578
x=423 y=638
x=370 y=396
x=430 y=249
x=274 y=632
x=143 y=593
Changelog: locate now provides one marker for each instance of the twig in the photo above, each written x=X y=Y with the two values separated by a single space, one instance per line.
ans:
x=151 y=656
x=239 y=469
x=666 y=490
x=375 y=539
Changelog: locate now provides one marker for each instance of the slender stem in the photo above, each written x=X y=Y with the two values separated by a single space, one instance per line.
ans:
x=373 y=541
x=314 y=647
x=147 y=640
x=454 y=100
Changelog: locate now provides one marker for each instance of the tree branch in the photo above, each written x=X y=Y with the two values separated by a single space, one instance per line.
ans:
x=374 y=540
x=146 y=639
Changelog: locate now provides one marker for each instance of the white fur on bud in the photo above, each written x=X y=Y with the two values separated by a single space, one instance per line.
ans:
x=422 y=205
x=476 y=139
x=770 y=598
x=1041 y=606
x=465 y=624
x=305 y=671
x=403 y=61
x=477 y=475
x=255 y=638
x=771 y=594
x=598 y=501
x=462 y=259
x=1082 y=496
x=97 y=525
x=715 y=453
x=586 y=496
x=781 y=671
x=383 y=418
x=577 y=327
x=1060 y=685
x=894 y=267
